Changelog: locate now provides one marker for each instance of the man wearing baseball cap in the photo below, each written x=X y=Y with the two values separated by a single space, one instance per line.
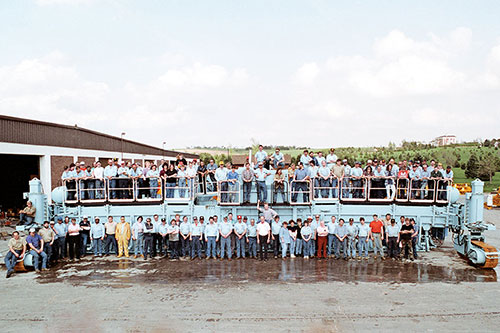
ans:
x=35 y=243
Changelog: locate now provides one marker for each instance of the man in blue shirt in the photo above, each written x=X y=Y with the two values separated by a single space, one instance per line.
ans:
x=341 y=234
x=110 y=173
x=415 y=181
x=332 y=239
x=195 y=237
x=356 y=180
x=252 y=239
x=260 y=176
x=211 y=237
x=184 y=233
x=300 y=179
x=233 y=184
x=278 y=159
x=284 y=236
x=261 y=155
x=61 y=230
x=240 y=230
x=275 y=231
x=35 y=243
x=225 y=241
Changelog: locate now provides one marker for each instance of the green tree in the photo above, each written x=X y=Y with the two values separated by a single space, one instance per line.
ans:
x=472 y=168
x=488 y=165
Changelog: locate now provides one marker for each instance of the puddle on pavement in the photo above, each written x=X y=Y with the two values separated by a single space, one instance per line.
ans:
x=126 y=273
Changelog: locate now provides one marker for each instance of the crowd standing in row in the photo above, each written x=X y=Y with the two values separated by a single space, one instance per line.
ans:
x=227 y=238
x=330 y=176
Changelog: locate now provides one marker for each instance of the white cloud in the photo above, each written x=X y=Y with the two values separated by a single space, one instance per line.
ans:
x=306 y=74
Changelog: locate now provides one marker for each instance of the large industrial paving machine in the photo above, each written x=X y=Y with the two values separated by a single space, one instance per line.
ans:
x=435 y=214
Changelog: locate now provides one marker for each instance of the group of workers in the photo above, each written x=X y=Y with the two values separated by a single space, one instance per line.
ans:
x=212 y=239
x=323 y=176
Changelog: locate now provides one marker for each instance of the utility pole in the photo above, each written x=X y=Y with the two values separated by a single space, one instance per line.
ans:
x=163 y=150
x=121 y=139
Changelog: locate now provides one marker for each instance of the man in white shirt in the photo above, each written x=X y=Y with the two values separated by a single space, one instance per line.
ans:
x=263 y=237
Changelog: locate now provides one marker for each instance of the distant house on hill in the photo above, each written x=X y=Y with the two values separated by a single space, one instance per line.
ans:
x=444 y=140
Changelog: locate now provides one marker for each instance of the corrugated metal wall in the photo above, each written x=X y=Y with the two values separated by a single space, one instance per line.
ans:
x=26 y=131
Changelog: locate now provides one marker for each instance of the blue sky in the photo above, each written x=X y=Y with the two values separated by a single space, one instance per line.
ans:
x=280 y=72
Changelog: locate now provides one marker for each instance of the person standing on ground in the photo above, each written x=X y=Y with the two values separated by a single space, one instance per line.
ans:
x=306 y=233
x=392 y=239
x=263 y=237
x=48 y=236
x=363 y=236
x=405 y=236
x=74 y=240
x=376 y=235
x=60 y=243
x=84 y=235
x=225 y=238
x=341 y=234
x=123 y=233
x=284 y=237
x=251 y=236
x=240 y=230
x=322 y=235
x=97 y=236
x=110 y=236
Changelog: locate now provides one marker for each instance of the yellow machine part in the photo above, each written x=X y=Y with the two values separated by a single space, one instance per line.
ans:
x=463 y=187
x=490 y=263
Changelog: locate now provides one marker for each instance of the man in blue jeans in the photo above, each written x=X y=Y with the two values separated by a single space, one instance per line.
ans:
x=211 y=237
x=17 y=249
x=35 y=243
x=252 y=239
x=225 y=239
x=300 y=183
x=332 y=239
x=240 y=229
x=260 y=175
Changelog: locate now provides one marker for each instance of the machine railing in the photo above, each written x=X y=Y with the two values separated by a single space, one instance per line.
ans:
x=121 y=189
x=326 y=189
x=70 y=191
x=91 y=190
x=228 y=192
x=442 y=190
x=181 y=191
x=148 y=189
x=354 y=188
x=280 y=187
x=423 y=190
x=402 y=189
x=380 y=189
x=300 y=186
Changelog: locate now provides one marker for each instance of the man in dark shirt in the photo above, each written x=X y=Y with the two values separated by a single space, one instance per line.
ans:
x=84 y=235
x=405 y=237
x=202 y=173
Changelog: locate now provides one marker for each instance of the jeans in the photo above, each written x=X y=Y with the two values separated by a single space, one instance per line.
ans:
x=49 y=250
x=174 y=249
x=298 y=246
x=138 y=245
x=345 y=188
x=301 y=186
x=332 y=244
x=11 y=260
x=148 y=245
x=279 y=190
x=357 y=189
x=112 y=186
x=315 y=181
x=60 y=247
x=240 y=247
x=90 y=185
x=363 y=246
x=225 y=246
x=36 y=259
x=182 y=187
x=377 y=245
x=190 y=185
x=325 y=192
x=223 y=190
x=335 y=192
x=195 y=247
x=185 y=246
x=276 y=245
x=83 y=246
x=342 y=245
x=170 y=190
x=252 y=246
x=97 y=245
x=352 y=247
x=307 y=248
x=284 y=248
x=263 y=247
x=25 y=219
x=414 y=246
x=211 y=241
x=153 y=191
x=99 y=185
x=110 y=242
x=74 y=246
x=322 y=240
x=292 y=246
x=277 y=164
x=392 y=247
x=234 y=189
x=247 y=189
x=390 y=190
x=262 y=191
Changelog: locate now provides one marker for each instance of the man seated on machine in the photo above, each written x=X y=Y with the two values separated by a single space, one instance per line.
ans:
x=27 y=215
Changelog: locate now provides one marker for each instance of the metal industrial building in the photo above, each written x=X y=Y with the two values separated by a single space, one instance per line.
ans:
x=31 y=148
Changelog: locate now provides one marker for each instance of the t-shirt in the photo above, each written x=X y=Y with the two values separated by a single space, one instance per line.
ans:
x=34 y=240
x=73 y=229
x=293 y=229
x=263 y=229
x=17 y=244
x=408 y=235
x=84 y=225
x=46 y=234
x=169 y=174
x=376 y=226
x=299 y=235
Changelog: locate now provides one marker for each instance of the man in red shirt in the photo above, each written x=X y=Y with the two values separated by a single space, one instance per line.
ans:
x=376 y=235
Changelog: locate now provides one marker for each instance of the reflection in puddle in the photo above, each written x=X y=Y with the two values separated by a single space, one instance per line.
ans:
x=128 y=272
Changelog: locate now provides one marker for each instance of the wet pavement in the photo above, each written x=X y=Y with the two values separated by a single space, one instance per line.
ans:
x=122 y=273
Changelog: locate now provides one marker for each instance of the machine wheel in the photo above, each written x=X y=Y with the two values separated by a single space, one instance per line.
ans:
x=489 y=263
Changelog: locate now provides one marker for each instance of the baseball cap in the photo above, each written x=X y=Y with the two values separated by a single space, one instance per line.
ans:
x=52 y=222
x=195 y=218
x=163 y=219
x=221 y=163
x=85 y=217
x=32 y=230
x=309 y=218
x=245 y=218
x=58 y=218
x=45 y=222
x=238 y=217
x=82 y=163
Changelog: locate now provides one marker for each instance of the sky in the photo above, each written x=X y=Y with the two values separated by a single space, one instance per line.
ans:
x=230 y=73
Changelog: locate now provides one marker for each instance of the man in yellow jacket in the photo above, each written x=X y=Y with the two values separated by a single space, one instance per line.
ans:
x=122 y=237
